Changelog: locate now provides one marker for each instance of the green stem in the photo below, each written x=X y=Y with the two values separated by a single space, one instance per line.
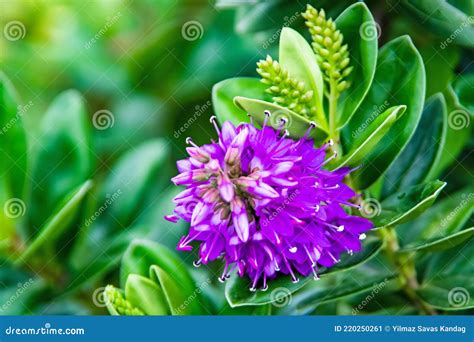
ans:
x=333 y=132
x=405 y=265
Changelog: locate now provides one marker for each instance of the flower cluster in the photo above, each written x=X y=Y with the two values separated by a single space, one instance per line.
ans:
x=265 y=204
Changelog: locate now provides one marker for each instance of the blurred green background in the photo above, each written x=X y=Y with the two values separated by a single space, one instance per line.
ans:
x=150 y=67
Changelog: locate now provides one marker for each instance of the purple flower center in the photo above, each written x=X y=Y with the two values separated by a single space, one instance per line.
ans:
x=264 y=204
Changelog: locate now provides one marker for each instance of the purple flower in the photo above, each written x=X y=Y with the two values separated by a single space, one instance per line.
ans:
x=265 y=204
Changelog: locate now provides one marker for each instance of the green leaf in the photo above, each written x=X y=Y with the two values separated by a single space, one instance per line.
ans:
x=457 y=132
x=19 y=291
x=181 y=299
x=298 y=58
x=295 y=124
x=223 y=94
x=368 y=139
x=445 y=218
x=416 y=163
x=447 y=283
x=146 y=295
x=444 y=19
x=408 y=204
x=121 y=201
x=399 y=79
x=360 y=33
x=372 y=276
x=237 y=289
x=62 y=158
x=464 y=88
x=440 y=243
x=13 y=148
x=141 y=254
x=56 y=225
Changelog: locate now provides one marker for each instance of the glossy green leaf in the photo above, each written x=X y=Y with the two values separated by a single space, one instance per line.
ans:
x=146 y=295
x=141 y=254
x=447 y=284
x=416 y=163
x=13 y=148
x=457 y=132
x=62 y=156
x=360 y=33
x=368 y=139
x=372 y=276
x=298 y=58
x=444 y=218
x=443 y=18
x=407 y=204
x=223 y=94
x=441 y=243
x=181 y=300
x=399 y=80
x=464 y=88
x=237 y=289
x=295 y=124
x=58 y=223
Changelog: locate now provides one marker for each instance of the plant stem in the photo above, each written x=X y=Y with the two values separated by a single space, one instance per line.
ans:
x=405 y=265
x=333 y=132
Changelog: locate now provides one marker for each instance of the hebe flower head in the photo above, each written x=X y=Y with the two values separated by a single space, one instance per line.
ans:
x=264 y=204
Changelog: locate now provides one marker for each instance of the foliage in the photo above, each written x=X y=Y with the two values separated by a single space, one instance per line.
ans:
x=83 y=206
